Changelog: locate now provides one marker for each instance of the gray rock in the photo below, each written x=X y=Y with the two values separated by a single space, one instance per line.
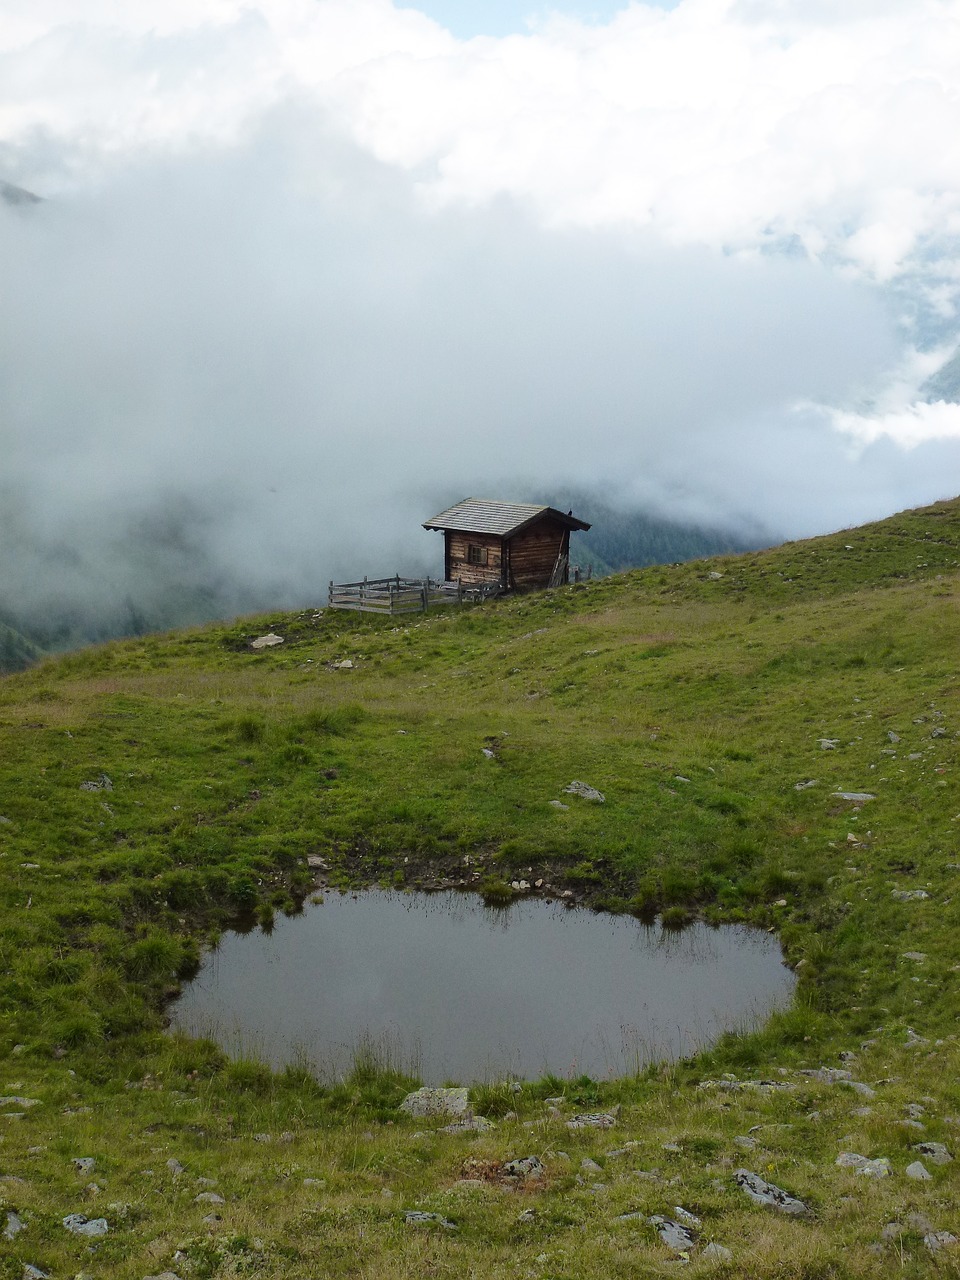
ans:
x=828 y=1075
x=208 y=1197
x=674 y=1235
x=716 y=1253
x=100 y=783
x=418 y=1218
x=266 y=642
x=590 y=1166
x=529 y=1168
x=469 y=1124
x=893 y=737
x=83 y=1226
x=938 y=733
x=685 y=1216
x=558 y=804
x=858 y=1086
x=918 y=1172
x=805 y=786
x=855 y=797
x=83 y=1164
x=829 y=744
x=164 y=1275
x=586 y=793
x=767 y=1194
x=428 y=1102
x=175 y=1167
x=34 y=1273
x=633 y=1216
x=936 y=1152
x=917 y=956
x=12 y=1100
x=909 y=895
x=345 y=664
x=593 y=1120
x=528 y=1215
x=937 y=1240
x=15 y=1225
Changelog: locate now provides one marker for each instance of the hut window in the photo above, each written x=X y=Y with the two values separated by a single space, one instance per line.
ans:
x=475 y=554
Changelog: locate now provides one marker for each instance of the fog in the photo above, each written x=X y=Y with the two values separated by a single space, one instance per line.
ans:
x=242 y=372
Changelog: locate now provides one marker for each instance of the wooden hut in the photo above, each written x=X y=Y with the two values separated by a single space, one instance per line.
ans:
x=513 y=545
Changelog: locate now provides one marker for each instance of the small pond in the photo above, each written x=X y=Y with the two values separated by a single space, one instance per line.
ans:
x=449 y=989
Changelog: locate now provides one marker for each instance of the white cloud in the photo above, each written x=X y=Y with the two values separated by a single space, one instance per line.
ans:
x=290 y=235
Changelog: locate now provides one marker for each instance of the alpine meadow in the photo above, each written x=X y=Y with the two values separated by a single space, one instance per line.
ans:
x=776 y=738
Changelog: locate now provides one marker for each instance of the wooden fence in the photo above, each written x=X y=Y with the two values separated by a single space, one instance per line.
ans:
x=404 y=595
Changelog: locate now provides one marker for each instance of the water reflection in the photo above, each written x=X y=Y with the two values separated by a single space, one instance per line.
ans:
x=454 y=990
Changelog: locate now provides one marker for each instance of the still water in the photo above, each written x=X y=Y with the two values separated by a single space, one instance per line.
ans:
x=452 y=990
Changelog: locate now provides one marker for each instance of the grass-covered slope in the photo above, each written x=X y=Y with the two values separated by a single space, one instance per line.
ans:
x=720 y=706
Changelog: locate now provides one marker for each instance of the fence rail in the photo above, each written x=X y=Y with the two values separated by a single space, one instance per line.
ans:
x=405 y=595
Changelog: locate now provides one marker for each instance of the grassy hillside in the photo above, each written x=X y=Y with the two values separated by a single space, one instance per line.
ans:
x=151 y=789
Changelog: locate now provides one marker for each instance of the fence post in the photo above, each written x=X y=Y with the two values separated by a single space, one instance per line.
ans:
x=330 y=593
x=424 y=591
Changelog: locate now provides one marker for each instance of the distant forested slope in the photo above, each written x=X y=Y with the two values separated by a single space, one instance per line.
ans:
x=622 y=539
x=16 y=651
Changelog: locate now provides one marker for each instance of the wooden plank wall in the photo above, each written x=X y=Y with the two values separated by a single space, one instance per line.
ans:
x=458 y=567
x=533 y=554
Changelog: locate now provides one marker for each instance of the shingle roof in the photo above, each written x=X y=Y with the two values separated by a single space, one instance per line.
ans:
x=480 y=515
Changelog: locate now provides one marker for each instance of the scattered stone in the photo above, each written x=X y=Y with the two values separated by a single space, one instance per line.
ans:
x=175 y=1167
x=15 y=1225
x=100 y=783
x=418 y=1218
x=83 y=1164
x=558 y=804
x=528 y=1215
x=164 y=1275
x=678 y=777
x=858 y=1086
x=742 y=1141
x=829 y=744
x=918 y=1172
x=936 y=1240
x=673 y=1234
x=917 y=956
x=805 y=786
x=936 y=1152
x=428 y=1102
x=913 y=1039
x=34 y=1273
x=828 y=1075
x=713 y=576
x=879 y=1168
x=267 y=641
x=528 y=1168
x=590 y=1166
x=82 y=1226
x=716 y=1253
x=586 y=793
x=469 y=1124
x=855 y=797
x=893 y=737
x=767 y=1194
x=633 y=1216
x=208 y=1197
x=938 y=733
x=14 y=1101
x=909 y=895
x=593 y=1120
x=490 y=755
x=685 y=1216
x=345 y=664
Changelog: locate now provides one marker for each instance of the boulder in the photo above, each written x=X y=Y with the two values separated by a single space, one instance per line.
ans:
x=586 y=793
x=767 y=1194
x=427 y=1102
x=82 y=1226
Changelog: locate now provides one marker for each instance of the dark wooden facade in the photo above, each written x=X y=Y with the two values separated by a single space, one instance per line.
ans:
x=518 y=546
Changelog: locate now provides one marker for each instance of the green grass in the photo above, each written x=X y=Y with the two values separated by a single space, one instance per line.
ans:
x=697 y=705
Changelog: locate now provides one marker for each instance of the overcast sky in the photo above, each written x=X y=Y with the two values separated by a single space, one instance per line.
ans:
x=304 y=267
